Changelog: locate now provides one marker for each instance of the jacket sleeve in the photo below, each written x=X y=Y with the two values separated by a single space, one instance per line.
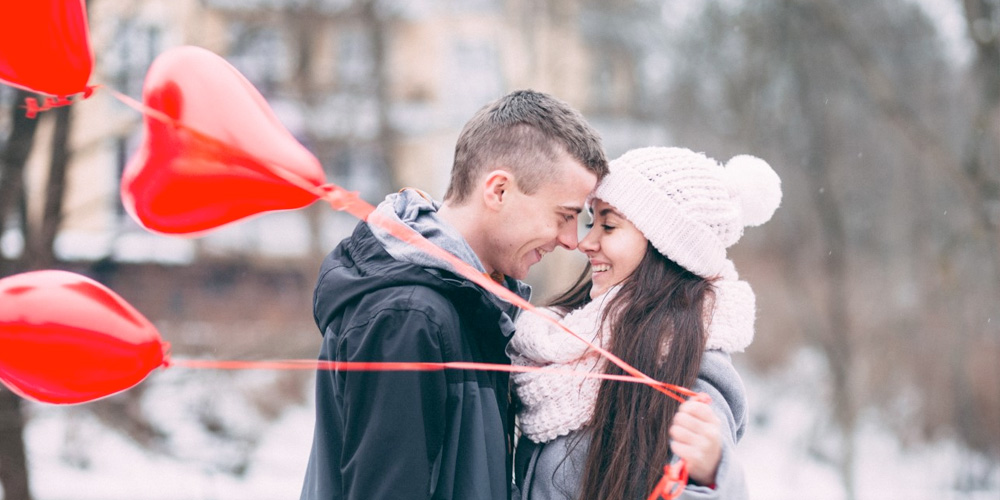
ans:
x=393 y=421
x=718 y=378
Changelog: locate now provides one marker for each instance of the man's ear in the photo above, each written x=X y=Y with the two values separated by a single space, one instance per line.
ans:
x=496 y=188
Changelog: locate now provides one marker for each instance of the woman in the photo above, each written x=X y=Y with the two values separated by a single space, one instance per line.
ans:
x=660 y=294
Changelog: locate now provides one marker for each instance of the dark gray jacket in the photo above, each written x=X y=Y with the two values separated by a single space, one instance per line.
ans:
x=431 y=435
x=554 y=470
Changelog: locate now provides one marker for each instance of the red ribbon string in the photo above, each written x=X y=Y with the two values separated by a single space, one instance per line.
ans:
x=671 y=485
x=349 y=201
x=405 y=366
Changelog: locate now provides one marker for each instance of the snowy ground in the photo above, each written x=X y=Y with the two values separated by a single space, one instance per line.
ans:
x=781 y=449
x=75 y=457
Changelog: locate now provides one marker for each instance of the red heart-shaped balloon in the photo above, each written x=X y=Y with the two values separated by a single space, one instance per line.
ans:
x=65 y=338
x=45 y=45
x=213 y=152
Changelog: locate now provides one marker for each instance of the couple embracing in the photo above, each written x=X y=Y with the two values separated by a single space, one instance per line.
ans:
x=658 y=292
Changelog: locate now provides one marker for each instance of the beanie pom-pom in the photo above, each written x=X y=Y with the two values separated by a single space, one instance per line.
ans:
x=757 y=186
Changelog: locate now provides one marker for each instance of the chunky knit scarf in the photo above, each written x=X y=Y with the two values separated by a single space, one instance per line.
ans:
x=555 y=405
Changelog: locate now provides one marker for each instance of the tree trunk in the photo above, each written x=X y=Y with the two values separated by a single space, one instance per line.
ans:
x=12 y=160
x=982 y=150
x=835 y=337
x=13 y=465
x=41 y=253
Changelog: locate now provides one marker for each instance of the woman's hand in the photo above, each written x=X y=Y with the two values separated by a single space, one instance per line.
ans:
x=696 y=437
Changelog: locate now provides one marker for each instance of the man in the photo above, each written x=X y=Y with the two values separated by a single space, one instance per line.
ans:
x=523 y=168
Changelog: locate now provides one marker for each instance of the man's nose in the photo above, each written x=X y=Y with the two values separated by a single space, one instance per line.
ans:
x=567 y=237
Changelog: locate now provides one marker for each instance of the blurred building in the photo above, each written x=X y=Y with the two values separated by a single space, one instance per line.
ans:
x=377 y=90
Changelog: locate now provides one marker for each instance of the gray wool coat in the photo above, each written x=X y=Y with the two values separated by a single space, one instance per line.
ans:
x=553 y=470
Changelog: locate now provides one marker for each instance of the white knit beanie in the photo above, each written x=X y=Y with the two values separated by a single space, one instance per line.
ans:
x=691 y=209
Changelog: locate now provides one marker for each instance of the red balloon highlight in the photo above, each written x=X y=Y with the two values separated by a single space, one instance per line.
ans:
x=45 y=46
x=66 y=339
x=213 y=151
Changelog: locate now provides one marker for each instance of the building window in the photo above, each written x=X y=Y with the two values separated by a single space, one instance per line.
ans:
x=131 y=52
x=259 y=53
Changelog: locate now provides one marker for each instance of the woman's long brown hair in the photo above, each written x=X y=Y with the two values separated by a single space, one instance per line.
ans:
x=660 y=304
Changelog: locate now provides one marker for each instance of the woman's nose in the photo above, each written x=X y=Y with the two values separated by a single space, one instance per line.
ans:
x=589 y=243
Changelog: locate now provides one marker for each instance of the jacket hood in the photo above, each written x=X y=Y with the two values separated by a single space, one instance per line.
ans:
x=361 y=264
x=418 y=211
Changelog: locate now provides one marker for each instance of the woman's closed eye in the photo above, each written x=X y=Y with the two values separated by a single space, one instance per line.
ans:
x=606 y=227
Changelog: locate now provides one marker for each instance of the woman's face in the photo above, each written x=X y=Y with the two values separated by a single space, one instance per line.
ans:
x=615 y=248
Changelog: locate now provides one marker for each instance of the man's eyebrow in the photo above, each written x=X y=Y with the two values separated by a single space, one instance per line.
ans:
x=570 y=208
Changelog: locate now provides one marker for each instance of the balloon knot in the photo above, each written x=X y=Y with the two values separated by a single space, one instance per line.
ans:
x=166 y=355
x=338 y=197
x=32 y=107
